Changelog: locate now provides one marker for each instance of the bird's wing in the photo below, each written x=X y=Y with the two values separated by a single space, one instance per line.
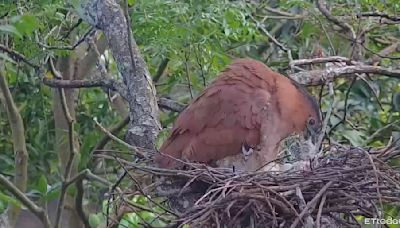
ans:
x=225 y=116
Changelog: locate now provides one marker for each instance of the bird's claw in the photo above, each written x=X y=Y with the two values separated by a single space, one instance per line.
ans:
x=247 y=152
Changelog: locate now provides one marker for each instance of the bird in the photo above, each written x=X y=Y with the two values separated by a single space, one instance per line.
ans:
x=241 y=119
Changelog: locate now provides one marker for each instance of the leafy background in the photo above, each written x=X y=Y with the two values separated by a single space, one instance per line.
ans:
x=197 y=38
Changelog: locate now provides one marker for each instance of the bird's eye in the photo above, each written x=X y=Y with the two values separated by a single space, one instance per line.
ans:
x=311 y=122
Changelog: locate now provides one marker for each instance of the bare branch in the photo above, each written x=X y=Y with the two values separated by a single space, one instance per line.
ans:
x=161 y=69
x=271 y=37
x=109 y=17
x=321 y=6
x=38 y=211
x=300 y=62
x=319 y=77
x=381 y=15
x=80 y=41
x=110 y=84
x=170 y=104
x=17 y=56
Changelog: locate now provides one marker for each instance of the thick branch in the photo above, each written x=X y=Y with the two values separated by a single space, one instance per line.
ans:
x=108 y=16
x=18 y=138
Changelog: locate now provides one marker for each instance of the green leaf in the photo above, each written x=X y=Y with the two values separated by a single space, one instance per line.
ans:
x=355 y=137
x=11 y=30
x=94 y=220
x=9 y=199
x=42 y=185
x=26 y=24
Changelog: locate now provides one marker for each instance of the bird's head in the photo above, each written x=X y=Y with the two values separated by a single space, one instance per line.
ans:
x=301 y=146
x=304 y=145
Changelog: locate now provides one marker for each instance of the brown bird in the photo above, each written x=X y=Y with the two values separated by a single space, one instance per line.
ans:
x=241 y=118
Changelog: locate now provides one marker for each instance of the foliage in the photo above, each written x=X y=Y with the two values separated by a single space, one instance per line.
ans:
x=198 y=37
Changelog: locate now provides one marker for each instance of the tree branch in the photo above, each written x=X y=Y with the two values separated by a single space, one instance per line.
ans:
x=38 y=211
x=144 y=116
x=112 y=85
x=16 y=56
x=319 y=77
x=321 y=6
x=19 y=143
x=381 y=15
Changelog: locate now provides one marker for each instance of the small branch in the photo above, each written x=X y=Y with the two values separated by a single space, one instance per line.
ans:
x=36 y=210
x=319 y=77
x=100 y=82
x=129 y=28
x=344 y=118
x=161 y=69
x=310 y=205
x=272 y=38
x=16 y=56
x=321 y=6
x=79 y=203
x=70 y=162
x=138 y=151
x=106 y=138
x=110 y=84
x=170 y=104
x=380 y=131
x=187 y=73
x=282 y=13
x=381 y=15
x=300 y=62
x=73 y=47
x=327 y=118
x=319 y=214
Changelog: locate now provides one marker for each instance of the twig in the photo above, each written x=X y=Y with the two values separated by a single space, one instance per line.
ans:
x=379 y=131
x=110 y=84
x=161 y=69
x=344 y=118
x=73 y=47
x=311 y=204
x=137 y=151
x=106 y=138
x=170 y=104
x=187 y=73
x=36 y=210
x=299 y=62
x=70 y=162
x=129 y=27
x=321 y=206
x=327 y=118
x=18 y=56
x=272 y=38
x=330 y=17
x=79 y=203
x=318 y=77
x=382 y=15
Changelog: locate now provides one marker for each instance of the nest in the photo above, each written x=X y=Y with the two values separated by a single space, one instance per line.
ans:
x=335 y=191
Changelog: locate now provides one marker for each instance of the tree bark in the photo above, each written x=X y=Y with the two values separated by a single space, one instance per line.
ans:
x=18 y=138
x=108 y=16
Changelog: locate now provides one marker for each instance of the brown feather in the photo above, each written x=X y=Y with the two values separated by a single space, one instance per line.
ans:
x=230 y=112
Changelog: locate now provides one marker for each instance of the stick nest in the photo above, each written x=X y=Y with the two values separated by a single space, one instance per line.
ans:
x=340 y=186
